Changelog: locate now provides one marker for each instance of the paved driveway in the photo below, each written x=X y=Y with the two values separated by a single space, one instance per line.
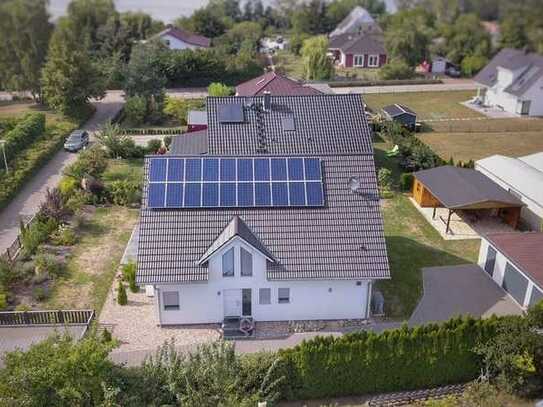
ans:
x=457 y=290
x=29 y=198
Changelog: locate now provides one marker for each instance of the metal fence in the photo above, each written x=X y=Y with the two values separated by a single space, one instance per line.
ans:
x=14 y=249
x=49 y=317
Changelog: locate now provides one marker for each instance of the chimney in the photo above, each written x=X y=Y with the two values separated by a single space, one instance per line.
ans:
x=267 y=101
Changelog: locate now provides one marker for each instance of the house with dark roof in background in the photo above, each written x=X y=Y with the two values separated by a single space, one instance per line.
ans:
x=513 y=81
x=358 y=41
x=179 y=39
x=271 y=214
x=276 y=84
x=515 y=262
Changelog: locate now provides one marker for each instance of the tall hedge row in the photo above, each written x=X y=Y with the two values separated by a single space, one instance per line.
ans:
x=402 y=359
x=24 y=133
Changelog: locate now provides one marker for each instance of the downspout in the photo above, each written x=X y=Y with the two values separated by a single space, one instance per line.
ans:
x=157 y=294
x=368 y=300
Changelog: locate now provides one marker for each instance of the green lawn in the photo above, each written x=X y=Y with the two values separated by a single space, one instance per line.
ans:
x=427 y=105
x=94 y=260
x=289 y=64
x=129 y=170
x=19 y=108
x=412 y=244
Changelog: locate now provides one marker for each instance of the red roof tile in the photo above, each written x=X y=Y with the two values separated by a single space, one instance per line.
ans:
x=525 y=250
x=277 y=85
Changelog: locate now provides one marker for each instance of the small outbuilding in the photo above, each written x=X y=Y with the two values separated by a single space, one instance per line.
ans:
x=197 y=120
x=466 y=190
x=401 y=114
x=514 y=261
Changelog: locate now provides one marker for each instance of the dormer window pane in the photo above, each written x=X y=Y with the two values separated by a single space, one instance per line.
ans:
x=228 y=263
x=246 y=263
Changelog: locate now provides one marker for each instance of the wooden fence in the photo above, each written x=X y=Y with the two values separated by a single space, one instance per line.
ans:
x=49 y=317
x=14 y=249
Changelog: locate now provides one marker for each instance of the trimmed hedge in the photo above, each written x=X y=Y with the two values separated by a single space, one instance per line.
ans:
x=24 y=133
x=388 y=82
x=402 y=359
x=31 y=160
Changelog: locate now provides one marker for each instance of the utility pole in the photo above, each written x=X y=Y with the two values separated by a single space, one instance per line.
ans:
x=3 y=142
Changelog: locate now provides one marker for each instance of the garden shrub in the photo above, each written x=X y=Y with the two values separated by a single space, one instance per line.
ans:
x=90 y=162
x=220 y=89
x=36 y=233
x=178 y=108
x=24 y=133
x=167 y=141
x=78 y=199
x=40 y=293
x=384 y=177
x=402 y=359
x=23 y=308
x=48 y=264
x=129 y=274
x=406 y=181
x=64 y=236
x=124 y=192
x=53 y=205
x=3 y=301
x=68 y=186
x=153 y=146
x=122 y=299
x=396 y=69
x=135 y=110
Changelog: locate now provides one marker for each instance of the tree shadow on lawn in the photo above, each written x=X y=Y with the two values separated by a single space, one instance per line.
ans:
x=407 y=257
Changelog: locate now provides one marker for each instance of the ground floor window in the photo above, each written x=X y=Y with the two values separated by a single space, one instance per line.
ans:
x=171 y=300
x=358 y=60
x=264 y=296
x=373 y=61
x=283 y=295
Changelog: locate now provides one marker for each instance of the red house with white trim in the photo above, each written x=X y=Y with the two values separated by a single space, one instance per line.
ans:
x=364 y=50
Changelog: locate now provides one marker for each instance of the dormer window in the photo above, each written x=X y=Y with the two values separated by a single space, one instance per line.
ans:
x=246 y=263
x=228 y=263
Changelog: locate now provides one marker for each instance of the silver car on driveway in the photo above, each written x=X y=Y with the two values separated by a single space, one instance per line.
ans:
x=76 y=141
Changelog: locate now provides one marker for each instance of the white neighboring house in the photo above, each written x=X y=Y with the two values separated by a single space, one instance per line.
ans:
x=179 y=39
x=523 y=177
x=268 y=44
x=513 y=81
x=262 y=223
x=515 y=262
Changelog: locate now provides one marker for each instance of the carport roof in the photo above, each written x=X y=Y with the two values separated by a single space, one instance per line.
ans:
x=463 y=188
x=523 y=249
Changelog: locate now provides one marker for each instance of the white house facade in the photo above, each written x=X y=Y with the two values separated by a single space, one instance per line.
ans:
x=266 y=223
x=244 y=291
x=513 y=81
x=178 y=39
x=523 y=177
x=511 y=260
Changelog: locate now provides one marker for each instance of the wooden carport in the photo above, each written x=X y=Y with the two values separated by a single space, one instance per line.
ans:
x=462 y=189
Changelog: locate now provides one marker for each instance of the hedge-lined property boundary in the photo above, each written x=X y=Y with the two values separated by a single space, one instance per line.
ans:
x=397 y=360
x=28 y=161
x=24 y=133
x=390 y=82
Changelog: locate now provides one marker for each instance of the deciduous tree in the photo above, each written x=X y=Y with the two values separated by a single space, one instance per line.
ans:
x=24 y=35
x=317 y=64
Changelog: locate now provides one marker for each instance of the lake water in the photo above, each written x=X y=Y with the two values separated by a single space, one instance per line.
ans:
x=165 y=10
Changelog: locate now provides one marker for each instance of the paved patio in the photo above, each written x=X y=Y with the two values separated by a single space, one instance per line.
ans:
x=458 y=290
x=489 y=111
x=461 y=226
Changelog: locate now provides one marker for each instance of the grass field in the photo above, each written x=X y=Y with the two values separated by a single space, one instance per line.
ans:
x=19 y=108
x=94 y=260
x=412 y=244
x=474 y=146
x=427 y=105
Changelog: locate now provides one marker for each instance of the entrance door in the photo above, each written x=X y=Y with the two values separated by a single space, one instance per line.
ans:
x=525 y=109
x=246 y=302
x=232 y=302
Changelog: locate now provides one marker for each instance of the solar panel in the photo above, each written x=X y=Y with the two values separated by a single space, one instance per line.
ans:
x=231 y=113
x=221 y=182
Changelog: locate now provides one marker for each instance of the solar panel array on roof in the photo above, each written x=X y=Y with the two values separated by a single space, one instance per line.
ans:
x=222 y=182
x=231 y=113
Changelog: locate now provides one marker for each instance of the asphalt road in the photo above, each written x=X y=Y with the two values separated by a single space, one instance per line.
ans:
x=456 y=84
x=28 y=200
